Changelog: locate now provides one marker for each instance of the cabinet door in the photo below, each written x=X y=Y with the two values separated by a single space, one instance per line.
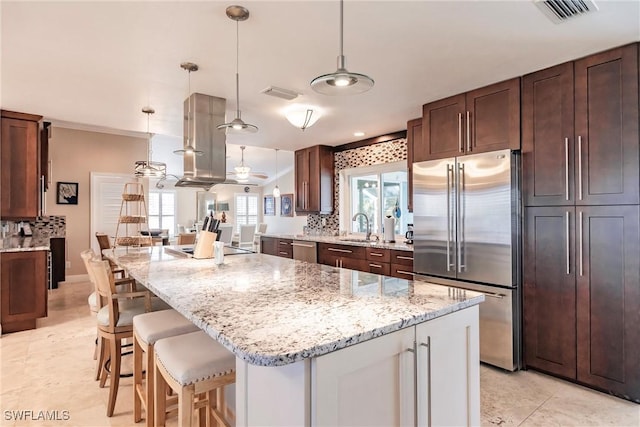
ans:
x=442 y=129
x=547 y=137
x=606 y=108
x=608 y=299
x=492 y=119
x=268 y=245
x=20 y=179
x=549 y=302
x=23 y=287
x=414 y=143
x=302 y=179
x=448 y=374
x=371 y=383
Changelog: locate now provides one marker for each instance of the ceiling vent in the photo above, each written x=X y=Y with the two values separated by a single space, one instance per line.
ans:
x=279 y=92
x=561 y=10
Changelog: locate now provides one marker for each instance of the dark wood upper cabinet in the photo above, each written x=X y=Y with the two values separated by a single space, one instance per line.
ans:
x=547 y=137
x=481 y=120
x=608 y=299
x=45 y=134
x=549 y=298
x=314 y=180
x=580 y=132
x=414 y=140
x=606 y=128
x=20 y=161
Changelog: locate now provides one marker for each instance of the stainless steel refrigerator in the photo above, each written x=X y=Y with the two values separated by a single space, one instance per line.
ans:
x=467 y=230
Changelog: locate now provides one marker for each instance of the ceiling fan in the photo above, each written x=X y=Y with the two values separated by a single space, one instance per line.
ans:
x=243 y=172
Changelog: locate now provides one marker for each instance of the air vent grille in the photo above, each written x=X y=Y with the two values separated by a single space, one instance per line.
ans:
x=561 y=10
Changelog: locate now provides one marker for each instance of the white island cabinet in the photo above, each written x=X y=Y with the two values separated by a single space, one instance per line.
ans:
x=323 y=346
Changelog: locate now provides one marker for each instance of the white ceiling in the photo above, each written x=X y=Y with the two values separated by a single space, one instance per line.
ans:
x=98 y=63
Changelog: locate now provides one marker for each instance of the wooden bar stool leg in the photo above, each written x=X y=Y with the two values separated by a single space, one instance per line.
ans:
x=114 y=375
x=185 y=407
x=107 y=355
x=137 y=381
x=150 y=387
x=160 y=398
x=100 y=357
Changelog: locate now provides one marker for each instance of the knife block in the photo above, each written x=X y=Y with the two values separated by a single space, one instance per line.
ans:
x=204 y=245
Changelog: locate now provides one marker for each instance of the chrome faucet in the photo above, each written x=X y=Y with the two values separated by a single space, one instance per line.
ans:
x=368 y=236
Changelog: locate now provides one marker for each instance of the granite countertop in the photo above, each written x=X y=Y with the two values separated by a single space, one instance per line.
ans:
x=399 y=245
x=24 y=244
x=272 y=311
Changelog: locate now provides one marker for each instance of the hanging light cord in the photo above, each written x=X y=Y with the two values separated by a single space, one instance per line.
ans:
x=237 y=68
x=189 y=113
x=150 y=147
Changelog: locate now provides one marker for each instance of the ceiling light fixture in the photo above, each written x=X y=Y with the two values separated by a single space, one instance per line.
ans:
x=242 y=171
x=188 y=148
x=358 y=133
x=276 y=190
x=342 y=82
x=238 y=13
x=147 y=168
x=302 y=116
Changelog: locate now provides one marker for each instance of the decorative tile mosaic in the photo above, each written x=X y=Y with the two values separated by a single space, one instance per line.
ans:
x=384 y=152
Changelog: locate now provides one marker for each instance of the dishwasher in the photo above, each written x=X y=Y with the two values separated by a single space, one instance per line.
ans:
x=304 y=250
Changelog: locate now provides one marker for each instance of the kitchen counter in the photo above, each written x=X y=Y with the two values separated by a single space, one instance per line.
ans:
x=346 y=240
x=252 y=303
x=299 y=329
x=24 y=244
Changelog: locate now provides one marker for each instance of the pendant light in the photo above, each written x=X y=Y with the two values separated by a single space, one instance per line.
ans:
x=276 y=190
x=238 y=13
x=188 y=148
x=342 y=82
x=242 y=171
x=148 y=168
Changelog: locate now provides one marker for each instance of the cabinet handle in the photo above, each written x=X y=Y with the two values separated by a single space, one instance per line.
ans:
x=580 y=242
x=410 y=258
x=375 y=265
x=566 y=222
x=376 y=254
x=41 y=198
x=405 y=272
x=302 y=245
x=284 y=243
x=566 y=168
x=580 y=167
x=427 y=345
x=340 y=250
x=460 y=145
x=469 y=131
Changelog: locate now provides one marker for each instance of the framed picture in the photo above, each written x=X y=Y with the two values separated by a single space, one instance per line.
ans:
x=286 y=205
x=269 y=205
x=67 y=193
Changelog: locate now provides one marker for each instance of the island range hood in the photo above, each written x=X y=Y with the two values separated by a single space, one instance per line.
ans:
x=208 y=167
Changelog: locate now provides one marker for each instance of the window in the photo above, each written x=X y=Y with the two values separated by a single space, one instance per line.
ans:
x=162 y=210
x=246 y=209
x=375 y=191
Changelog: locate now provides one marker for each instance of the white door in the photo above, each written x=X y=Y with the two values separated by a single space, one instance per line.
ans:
x=368 y=384
x=448 y=357
x=106 y=200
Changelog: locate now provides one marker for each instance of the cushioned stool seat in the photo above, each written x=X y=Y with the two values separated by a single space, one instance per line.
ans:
x=193 y=364
x=147 y=329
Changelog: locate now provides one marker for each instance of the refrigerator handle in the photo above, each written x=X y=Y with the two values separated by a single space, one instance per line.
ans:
x=461 y=214
x=449 y=216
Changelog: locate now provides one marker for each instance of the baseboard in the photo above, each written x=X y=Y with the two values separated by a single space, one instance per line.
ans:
x=76 y=278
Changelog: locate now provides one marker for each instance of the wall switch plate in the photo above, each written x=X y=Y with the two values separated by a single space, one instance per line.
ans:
x=67 y=264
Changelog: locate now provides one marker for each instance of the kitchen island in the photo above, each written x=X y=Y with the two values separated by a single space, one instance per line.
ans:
x=320 y=345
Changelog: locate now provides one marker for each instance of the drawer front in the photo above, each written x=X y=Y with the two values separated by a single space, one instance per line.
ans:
x=343 y=251
x=284 y=248
x=402 y=257
x=383 y=268
x=378 y=255
x=401 y=271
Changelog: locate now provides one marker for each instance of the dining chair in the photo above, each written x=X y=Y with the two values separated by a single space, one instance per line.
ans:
x=115 y=322
x=186 y=239
x=262 y=228
x=226 y=233
x=247 y=232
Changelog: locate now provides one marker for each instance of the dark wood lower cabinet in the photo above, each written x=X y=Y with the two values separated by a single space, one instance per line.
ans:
x=582 y=295
x=23 y=289
x=276 y=246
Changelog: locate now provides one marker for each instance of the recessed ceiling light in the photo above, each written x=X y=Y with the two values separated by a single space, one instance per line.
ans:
x=359 y=133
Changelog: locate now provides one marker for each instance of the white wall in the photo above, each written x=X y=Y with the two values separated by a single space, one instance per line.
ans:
x=282 y=224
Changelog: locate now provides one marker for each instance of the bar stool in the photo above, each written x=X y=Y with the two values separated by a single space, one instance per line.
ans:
x=193 y=365
x=147 y=329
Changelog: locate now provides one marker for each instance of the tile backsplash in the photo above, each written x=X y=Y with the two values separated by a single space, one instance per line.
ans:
x=45 y=226
x=384 y=152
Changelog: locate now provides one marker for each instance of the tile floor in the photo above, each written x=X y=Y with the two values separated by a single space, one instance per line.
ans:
x=51 y=369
